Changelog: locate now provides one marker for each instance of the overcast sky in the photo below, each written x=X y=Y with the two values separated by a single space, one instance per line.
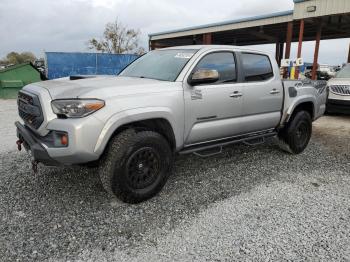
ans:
x=66 y=25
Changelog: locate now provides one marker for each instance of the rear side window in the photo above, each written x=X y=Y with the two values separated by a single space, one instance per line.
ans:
x=256 y=67
x=223 y=62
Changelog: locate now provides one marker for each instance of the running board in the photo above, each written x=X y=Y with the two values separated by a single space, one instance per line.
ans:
x=227 y=141
x=208 y=154
x=255 y=141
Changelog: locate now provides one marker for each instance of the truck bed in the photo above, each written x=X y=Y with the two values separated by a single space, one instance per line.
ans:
x=296 y=91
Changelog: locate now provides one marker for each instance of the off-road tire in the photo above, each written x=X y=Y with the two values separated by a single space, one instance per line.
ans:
x=123 y=154
x=295 y=136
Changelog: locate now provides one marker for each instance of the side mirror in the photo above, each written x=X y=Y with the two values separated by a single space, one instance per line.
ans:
x=203 y=76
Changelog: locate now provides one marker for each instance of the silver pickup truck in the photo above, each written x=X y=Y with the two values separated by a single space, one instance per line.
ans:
x=189 y=99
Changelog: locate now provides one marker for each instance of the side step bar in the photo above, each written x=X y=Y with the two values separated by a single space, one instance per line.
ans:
x=201 y=154
x=228 y=141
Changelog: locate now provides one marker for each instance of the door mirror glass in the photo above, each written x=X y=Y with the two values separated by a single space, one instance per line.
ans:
x=203 y=76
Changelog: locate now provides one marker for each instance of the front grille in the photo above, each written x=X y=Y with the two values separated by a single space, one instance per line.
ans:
x=340 y=89
x=27 y=98
x=29 y=109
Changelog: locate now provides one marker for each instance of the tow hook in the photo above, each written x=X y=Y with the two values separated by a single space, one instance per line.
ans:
x=35 y=166
x=19 y=144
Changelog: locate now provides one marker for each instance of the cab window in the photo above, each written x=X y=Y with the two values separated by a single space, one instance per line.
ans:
x=256 y=67
x=223 y=62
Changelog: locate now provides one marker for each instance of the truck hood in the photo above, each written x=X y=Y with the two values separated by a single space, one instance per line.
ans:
x=102 y=87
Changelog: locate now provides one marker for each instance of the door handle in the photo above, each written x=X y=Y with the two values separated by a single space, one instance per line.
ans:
x=236 y=94
x=274 y=91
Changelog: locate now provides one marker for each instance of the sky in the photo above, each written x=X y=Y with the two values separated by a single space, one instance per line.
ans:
x=67 y=25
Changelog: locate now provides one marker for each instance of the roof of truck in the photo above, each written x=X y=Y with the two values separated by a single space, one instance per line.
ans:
x=199 y=47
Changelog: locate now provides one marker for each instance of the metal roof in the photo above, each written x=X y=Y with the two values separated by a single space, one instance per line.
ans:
x=299 y=1
x=333 y=15
x=229 y=22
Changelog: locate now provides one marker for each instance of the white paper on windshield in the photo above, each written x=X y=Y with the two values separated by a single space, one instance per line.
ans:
x=184 y=55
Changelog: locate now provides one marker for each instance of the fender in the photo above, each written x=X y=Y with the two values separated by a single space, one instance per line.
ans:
x=300 y=99
x=134 y=115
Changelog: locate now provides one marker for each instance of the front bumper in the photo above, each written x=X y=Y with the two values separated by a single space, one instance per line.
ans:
x=338 y=106
x=32 y=144
x=82 y=137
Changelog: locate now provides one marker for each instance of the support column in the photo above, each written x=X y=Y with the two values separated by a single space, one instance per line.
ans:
x=317 y=49
x=281 y=53
x=301 y=35
x=300 y=45
x=288 y=45
x=207 y=39
x=289 y=39
x=277 y=52
x=349 y=55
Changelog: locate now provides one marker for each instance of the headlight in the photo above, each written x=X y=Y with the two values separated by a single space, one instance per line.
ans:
x=76 y=107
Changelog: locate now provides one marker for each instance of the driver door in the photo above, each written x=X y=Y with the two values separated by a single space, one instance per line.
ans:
x=212 y=109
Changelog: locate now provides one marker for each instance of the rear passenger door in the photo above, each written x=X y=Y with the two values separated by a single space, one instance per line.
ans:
x=262 y=93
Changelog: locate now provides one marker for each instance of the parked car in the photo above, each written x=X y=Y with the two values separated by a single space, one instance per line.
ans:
x=320 y=75
x=171 y=101
x=324 y=72
x=339 y=92
x=327 y=70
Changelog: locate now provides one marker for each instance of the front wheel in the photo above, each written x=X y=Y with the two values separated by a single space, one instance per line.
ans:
x=295 y=136
x=136 y=165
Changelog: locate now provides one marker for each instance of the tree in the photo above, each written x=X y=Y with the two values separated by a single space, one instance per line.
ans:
x=18 y=58
x=117 y=39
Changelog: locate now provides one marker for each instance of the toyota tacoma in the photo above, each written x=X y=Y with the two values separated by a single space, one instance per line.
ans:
x=189 y=99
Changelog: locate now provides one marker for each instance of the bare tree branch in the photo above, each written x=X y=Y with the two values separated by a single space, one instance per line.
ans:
x=117 y=39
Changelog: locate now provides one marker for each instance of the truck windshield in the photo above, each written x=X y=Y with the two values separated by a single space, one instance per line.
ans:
x=344 y=73
x=163 y=64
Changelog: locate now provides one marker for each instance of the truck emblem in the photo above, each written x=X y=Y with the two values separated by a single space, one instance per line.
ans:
x=196 y=94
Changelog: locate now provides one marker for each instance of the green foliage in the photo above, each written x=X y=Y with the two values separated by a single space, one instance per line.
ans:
x=117 y=39
x=18 y=58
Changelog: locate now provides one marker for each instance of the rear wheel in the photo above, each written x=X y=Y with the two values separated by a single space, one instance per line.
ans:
x=136 y=165
x=295 y=136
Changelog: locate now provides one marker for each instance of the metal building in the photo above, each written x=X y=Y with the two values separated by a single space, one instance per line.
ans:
x=309 y=20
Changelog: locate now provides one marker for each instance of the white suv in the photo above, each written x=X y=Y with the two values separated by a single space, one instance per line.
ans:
x=339 y=92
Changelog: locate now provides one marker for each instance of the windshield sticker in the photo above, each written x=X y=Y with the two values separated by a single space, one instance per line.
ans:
x=184 y=55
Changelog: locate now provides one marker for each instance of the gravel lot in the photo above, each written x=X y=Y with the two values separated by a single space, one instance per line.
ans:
x=249 y=203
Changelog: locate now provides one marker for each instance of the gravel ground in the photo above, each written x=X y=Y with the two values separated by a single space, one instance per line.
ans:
x=8 y=115
x=249 y=203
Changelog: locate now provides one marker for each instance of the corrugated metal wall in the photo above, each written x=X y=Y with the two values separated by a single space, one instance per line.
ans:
x=323 y=7
x=61 y=64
